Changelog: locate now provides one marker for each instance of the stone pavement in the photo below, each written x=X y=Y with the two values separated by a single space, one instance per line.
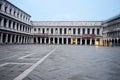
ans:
x=59 y=62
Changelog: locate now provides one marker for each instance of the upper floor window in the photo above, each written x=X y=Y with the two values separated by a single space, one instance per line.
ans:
x=43 y=30
x=10 y=11
x=52 y=31
x=35 y=29
x=14 y=13
x=93 y=31
x=0 y=6
x=78 y=30
x=74 y=30
x=98 y=31
x=83 y=31
x=65 y=31
x=60 y=30
x=88 y=31
x=39 y=29
x=5 y=8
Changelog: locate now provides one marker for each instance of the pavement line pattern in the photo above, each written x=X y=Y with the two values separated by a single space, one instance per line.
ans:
x=3 y=64
x=15 y=63
x=8 y=57
x=26 y=72
x=26 y=56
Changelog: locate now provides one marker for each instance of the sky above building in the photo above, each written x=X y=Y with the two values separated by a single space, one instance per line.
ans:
x=69 y=10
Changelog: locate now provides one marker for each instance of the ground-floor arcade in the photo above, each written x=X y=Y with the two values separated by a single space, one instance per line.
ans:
x=111 y=42
x=14 y=38
x=67 y=40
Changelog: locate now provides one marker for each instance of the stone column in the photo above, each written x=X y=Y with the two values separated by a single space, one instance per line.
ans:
x=76 y=31
x=2 y=22
x=49 y=40
x=11 y=26
x=6 y=39
x=76 y=41
x=58 y=41
x=85 y=30
x=81 y=31
x=80 y=41
x=62 y=40
x=90 y=41
x=45 y=40
x=101 y=42
x=7 y=24
x=3 y=7
x=53 y=40
x=71 y=40
x=95 y=31
x=36 y=39
x=8 y=8
x=95 y=42
x=15 y=39
x=21 y=40
x=18 y=39
x=71 y=31
x=11 y=38
x=40 y=40
x=85 y=41
x=1 y=38
x=90 y=30
x=15 y=25
x=67 y=41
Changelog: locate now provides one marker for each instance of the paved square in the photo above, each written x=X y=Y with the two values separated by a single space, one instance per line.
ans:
x=59 y=62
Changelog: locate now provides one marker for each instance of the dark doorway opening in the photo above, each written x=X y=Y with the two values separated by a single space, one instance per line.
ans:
x=60 y=40
x=56 y=41
x=69 y=40
x=88 y=41
x=83 y=41
x=64 y=40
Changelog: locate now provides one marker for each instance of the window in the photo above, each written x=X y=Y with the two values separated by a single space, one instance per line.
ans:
x=65 y=30
x=20 y=27
x=0 y=21
x=60 y=30
x=52 y=31
x=43 y=30
x=9 y=23
x=13 y=25
x=74 y=30
x=98 y=31
x=93 y=31
x=6 y=9
x=18 y=15
x=88 y=31
x=39 y=29
x=78 y=30
x=34 y=29
x=0 y=6
x=83 y=31
x=10 y=11
x=14 y=13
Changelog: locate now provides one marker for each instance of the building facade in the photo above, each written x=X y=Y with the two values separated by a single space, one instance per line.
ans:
x=17 y=28
x=68 y=32
x=111 y=31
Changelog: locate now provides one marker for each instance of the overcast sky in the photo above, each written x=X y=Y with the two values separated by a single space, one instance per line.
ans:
x=69 y=10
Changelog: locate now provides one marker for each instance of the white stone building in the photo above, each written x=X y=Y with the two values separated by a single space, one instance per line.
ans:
x=17 y=28
x=68 y=32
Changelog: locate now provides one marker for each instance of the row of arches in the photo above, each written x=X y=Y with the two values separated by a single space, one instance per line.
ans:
x=111 y=42
x=63 y=40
